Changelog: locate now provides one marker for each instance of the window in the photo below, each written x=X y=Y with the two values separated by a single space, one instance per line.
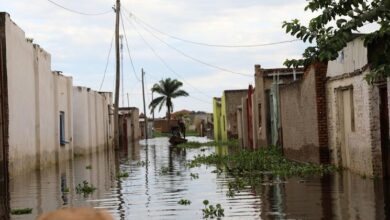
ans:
x=62 y=128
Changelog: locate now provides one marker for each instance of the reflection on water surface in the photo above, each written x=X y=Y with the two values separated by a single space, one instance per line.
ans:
x=158 y=179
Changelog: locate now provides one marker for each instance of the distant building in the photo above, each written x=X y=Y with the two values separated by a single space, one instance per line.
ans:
x=129 y=126
x=225 y=114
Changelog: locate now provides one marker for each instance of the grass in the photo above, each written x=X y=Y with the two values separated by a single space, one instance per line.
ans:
x=23 y=211
x=184 y=202
x=248 y=167
x=121 y=175
x=164 y=170
x=195 y=144
x=158 y=134
x=194 y=176
x=210 y=211
x=85 y=188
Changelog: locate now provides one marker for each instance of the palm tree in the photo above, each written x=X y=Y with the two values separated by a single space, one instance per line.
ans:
x=168 y=89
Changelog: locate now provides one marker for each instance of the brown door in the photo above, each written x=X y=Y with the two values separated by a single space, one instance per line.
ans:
x=384 y=121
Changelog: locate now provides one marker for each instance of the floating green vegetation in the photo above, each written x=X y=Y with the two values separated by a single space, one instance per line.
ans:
x=178 y=173
x=164 y=170
x=142 y=163
x=210 y=211
x=264 y=160
x=89 y=167
x=158 y=134
x=23 y=211
x=184 y=202
x=121 y=175
x=249 y=167
x=85 y=188
x=195 y=144
x=194 y=176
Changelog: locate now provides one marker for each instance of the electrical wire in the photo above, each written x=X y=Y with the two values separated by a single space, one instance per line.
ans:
x=128 y=50
x=108 y=60
x=164 y=62
x=196 y=59
x=79 y=12
x=146 y=25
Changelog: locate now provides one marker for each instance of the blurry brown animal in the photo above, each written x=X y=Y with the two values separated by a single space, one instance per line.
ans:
x=77 y=214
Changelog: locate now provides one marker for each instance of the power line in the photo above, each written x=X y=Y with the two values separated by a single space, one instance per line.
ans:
x=128 y=50
x=164 y=62
x=196 y=59
x=108 y=59
x=79 y=12
x=145 y=24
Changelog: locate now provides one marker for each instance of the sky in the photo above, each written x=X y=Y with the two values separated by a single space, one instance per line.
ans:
x=80 y=44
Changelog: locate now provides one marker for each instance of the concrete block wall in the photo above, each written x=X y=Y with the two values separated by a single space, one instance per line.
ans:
x=299 y=118
x=91 y=120
x=360 y=141
x=36 y=95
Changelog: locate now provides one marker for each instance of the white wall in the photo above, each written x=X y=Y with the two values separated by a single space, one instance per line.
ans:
x=355 y=57
x=35 y=97
x=91 y=120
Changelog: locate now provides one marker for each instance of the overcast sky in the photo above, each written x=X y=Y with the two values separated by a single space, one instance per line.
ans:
x=79 y=44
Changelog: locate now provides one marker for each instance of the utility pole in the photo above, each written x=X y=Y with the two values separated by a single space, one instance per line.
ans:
x=117 y=80
x=122 y=77
x=143 y=95
x=128 y=101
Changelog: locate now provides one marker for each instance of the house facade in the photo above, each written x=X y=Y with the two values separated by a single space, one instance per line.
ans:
x=129 y=126
x=225 y=114
x=92 y=120
x=358 y=118
x=45 y=120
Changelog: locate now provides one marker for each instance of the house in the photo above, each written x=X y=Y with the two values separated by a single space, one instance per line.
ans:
x=266 y=104
x=92 y=120
x=245 y=120
x=129 y=126
x=225 y=114
x=357 y=113
x=44 y=119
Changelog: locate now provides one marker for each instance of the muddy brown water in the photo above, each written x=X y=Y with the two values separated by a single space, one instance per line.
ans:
x=158 y=179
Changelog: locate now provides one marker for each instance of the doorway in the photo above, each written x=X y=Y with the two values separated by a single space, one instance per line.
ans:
x=346 y=122
x=384 y=128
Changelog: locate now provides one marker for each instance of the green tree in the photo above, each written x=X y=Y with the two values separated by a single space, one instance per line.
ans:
x=168 y=89
x=334 y=27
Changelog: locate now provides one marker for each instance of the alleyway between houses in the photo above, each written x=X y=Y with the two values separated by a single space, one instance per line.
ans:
x=159 y=178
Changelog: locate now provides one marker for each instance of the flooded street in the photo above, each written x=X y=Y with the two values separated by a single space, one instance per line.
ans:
x=159 y=178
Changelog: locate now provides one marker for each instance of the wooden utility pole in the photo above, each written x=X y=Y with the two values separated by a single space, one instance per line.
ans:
x=117 y=80
x=143 y=95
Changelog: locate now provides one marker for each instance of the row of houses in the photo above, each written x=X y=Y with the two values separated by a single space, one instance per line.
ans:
x=325 y=113
x=44 y=119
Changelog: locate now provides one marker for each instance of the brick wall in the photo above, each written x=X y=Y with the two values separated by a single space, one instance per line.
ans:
x=320 y=89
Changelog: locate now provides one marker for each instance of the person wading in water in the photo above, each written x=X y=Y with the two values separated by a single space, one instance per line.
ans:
x=182 y=127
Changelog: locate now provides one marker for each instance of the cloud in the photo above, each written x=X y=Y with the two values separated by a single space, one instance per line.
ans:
x=79 y=44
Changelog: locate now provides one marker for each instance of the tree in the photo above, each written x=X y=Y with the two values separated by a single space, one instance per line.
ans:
x=168 y=89
x=348 y=16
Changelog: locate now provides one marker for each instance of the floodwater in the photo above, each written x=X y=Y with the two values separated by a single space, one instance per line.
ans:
x=158 y=179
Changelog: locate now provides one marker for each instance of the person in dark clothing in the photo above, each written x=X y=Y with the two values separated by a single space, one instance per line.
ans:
x=182 y=127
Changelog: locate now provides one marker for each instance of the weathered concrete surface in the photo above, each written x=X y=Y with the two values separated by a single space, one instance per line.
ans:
x=357 y=148
x=229 y=102
x=299 y=119
x=92 y=124
x=217 y=119
x=36 y=96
